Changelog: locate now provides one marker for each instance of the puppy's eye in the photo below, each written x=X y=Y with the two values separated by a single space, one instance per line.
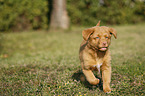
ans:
x=97 y=37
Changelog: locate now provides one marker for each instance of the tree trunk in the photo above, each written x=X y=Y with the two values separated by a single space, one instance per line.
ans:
x=101 y=2
x=59 y=16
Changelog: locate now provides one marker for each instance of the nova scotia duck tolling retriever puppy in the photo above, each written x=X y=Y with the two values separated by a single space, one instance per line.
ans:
x=95 y=55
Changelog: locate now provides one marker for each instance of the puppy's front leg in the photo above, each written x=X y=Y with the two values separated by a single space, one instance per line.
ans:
x=106 y=77
x=90 y=77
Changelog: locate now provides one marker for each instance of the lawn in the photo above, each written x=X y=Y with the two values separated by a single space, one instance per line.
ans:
x=47 y=63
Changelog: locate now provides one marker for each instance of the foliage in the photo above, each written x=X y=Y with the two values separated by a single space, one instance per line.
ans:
x=19 y=15
x=88 y=12
x=25 y=14
x=41 y=63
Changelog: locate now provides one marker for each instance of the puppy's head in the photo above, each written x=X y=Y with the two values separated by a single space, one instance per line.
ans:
x=99 y=37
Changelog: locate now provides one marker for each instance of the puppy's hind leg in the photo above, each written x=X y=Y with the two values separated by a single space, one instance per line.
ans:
x=90 y=77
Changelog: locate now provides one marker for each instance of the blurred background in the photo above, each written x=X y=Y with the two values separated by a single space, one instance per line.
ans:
x=20 y=15
x=40 y=40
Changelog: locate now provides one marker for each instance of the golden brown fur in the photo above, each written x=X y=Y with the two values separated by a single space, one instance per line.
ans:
x=95 y=55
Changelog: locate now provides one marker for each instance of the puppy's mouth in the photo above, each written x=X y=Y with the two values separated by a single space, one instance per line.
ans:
x=103 y=48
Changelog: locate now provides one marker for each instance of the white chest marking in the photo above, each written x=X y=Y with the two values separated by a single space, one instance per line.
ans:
x=98 y=66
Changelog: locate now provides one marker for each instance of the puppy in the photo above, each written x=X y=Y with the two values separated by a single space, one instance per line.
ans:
x=94 y=54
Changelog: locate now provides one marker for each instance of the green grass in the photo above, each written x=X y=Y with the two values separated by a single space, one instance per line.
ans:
x=47 y=63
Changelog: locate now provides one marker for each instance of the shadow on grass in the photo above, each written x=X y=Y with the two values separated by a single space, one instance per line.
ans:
x=79 y=76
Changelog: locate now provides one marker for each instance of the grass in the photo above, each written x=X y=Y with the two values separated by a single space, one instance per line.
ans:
x=47 y=63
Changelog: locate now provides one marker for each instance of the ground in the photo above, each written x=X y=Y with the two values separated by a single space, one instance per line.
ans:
x=47 y=63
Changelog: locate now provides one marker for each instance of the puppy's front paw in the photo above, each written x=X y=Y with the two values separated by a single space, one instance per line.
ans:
x=107 y=90
x=94 y=82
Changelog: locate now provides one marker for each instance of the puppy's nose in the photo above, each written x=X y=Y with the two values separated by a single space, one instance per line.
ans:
x=104 y=43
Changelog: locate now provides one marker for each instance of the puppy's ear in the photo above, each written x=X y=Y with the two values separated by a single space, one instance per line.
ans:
x=87 y=32
x=98 y=24
x=113 y=31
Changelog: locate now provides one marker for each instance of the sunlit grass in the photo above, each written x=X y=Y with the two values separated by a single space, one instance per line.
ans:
x=47 y=63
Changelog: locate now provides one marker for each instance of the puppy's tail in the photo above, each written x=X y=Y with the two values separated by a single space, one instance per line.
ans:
x=98 y=24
